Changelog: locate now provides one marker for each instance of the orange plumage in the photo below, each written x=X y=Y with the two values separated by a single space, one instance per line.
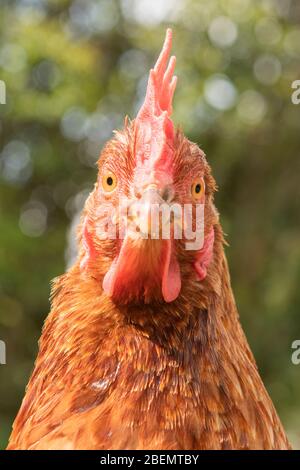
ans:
x=143 y=348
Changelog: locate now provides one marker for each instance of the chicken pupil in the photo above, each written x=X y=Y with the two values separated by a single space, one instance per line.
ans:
x=198 y=188
x=109 y=181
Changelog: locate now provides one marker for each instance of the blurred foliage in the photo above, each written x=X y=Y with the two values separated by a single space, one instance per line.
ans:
x=73 y=70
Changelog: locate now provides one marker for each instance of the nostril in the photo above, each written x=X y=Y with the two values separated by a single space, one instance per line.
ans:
x=137 y=193
x=167 y=194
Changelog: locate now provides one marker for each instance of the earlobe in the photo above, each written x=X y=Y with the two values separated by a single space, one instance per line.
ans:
x=204 y=256
x=88 y=245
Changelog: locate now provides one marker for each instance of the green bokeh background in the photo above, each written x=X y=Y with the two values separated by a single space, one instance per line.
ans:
x=73 y=70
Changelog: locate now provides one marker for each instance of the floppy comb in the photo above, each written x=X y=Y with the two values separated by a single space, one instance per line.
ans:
x=154 y=130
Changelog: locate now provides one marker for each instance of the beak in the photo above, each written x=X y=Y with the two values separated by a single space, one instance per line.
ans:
x=146 y=213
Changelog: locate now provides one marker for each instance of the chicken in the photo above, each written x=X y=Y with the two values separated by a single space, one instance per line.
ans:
x=143 y=348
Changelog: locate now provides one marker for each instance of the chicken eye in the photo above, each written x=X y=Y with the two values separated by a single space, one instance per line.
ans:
x=109 y=182
x=198 y=189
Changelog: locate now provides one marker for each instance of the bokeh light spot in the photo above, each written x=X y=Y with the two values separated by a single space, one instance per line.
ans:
x=252 y=107
x=15 y=162
x=222 y=31
x=267 y=69
x=33 y=219
x=12 y=58
x=149 y=12
x=220 y=92
x=268 y=31
x=73 y=124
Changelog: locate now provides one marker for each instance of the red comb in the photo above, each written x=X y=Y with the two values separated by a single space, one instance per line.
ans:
x=153 y=126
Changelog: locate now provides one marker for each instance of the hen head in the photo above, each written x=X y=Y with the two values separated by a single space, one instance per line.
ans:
x=148 y=226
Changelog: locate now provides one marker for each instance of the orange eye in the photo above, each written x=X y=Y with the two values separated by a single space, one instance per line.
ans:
x=198 y=189
x=109 y=182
